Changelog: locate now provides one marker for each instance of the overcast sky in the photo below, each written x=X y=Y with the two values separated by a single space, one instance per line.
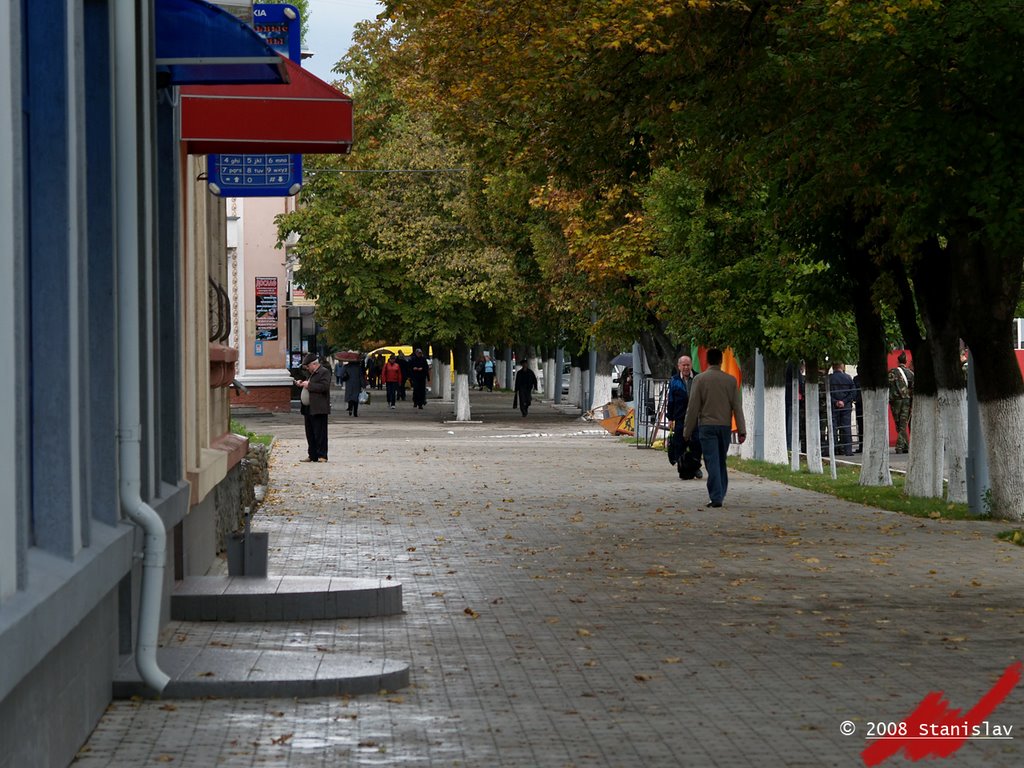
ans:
x=330 y=31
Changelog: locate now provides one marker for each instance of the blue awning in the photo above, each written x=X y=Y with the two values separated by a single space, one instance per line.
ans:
x=201 y=44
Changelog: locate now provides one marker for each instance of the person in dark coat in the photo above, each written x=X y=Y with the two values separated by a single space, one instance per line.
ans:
x=841 y=392
x=403 y=363
x=355 y=379
x=419 y=374
x=684 y=454
x=525 y=384
x=316 y=389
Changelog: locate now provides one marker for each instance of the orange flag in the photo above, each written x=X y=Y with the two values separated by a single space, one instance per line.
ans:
x=732 y=367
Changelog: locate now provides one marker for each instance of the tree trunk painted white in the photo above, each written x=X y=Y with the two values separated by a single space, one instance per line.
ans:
x=500 y=371
x=812 y=428
x=575 y=387
x=462 y=409
x=924 y=470
x=602 y=389
x=953 y=407
x=775 y=450
x=434 y=388
x=549 y=378
x=874 y=467
x=444 y=377
x=1003 y=424
x=746 y=450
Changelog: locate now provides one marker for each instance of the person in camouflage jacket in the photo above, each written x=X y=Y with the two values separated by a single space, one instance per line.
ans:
x=901 y=395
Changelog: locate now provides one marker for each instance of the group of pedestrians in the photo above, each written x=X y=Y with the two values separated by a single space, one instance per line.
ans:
x=703 y=411
x=485 y=370
x=354 y=376
x=846 y=404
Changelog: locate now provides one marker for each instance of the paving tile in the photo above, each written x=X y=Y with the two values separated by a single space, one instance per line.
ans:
x=566 y=601
x=250 y=585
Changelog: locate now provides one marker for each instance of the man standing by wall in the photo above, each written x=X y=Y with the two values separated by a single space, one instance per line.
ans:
x=901 y=393
x=714 y=403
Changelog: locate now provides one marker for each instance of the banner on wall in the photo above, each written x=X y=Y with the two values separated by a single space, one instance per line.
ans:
x=266 y=308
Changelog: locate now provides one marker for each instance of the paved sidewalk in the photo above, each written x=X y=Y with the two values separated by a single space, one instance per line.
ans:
x=570 y=602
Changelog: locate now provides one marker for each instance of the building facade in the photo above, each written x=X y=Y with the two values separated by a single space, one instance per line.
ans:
x=116 y=456
x=260 y=289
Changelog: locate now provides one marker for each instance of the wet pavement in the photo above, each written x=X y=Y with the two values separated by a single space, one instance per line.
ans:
x=568 y=601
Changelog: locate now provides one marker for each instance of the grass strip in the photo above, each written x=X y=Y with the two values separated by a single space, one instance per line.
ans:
x=847 y=486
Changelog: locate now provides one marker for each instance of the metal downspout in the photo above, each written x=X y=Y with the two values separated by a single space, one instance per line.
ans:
x=126 y=207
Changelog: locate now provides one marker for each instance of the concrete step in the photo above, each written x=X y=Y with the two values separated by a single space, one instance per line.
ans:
x=254 y=674
x=283 y=598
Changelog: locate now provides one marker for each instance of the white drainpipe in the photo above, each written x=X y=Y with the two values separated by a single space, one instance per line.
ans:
x=129 y=356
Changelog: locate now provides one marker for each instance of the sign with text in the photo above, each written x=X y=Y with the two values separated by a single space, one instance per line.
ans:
x=255 y=175
x=266 y=308
x=258 y=175
x=278 y=25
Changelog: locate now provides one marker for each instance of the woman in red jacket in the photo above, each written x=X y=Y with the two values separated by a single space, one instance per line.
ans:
x=392 y=377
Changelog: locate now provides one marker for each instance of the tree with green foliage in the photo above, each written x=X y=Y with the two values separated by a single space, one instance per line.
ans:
x=395 y=252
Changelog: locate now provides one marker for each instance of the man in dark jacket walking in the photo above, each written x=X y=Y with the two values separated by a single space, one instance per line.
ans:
x=525 y=384
x=419 y=374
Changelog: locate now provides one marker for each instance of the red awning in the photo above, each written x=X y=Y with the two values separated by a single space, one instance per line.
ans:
x=304 y=116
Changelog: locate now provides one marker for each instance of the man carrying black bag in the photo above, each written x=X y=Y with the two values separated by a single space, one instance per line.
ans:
x=685 y=455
